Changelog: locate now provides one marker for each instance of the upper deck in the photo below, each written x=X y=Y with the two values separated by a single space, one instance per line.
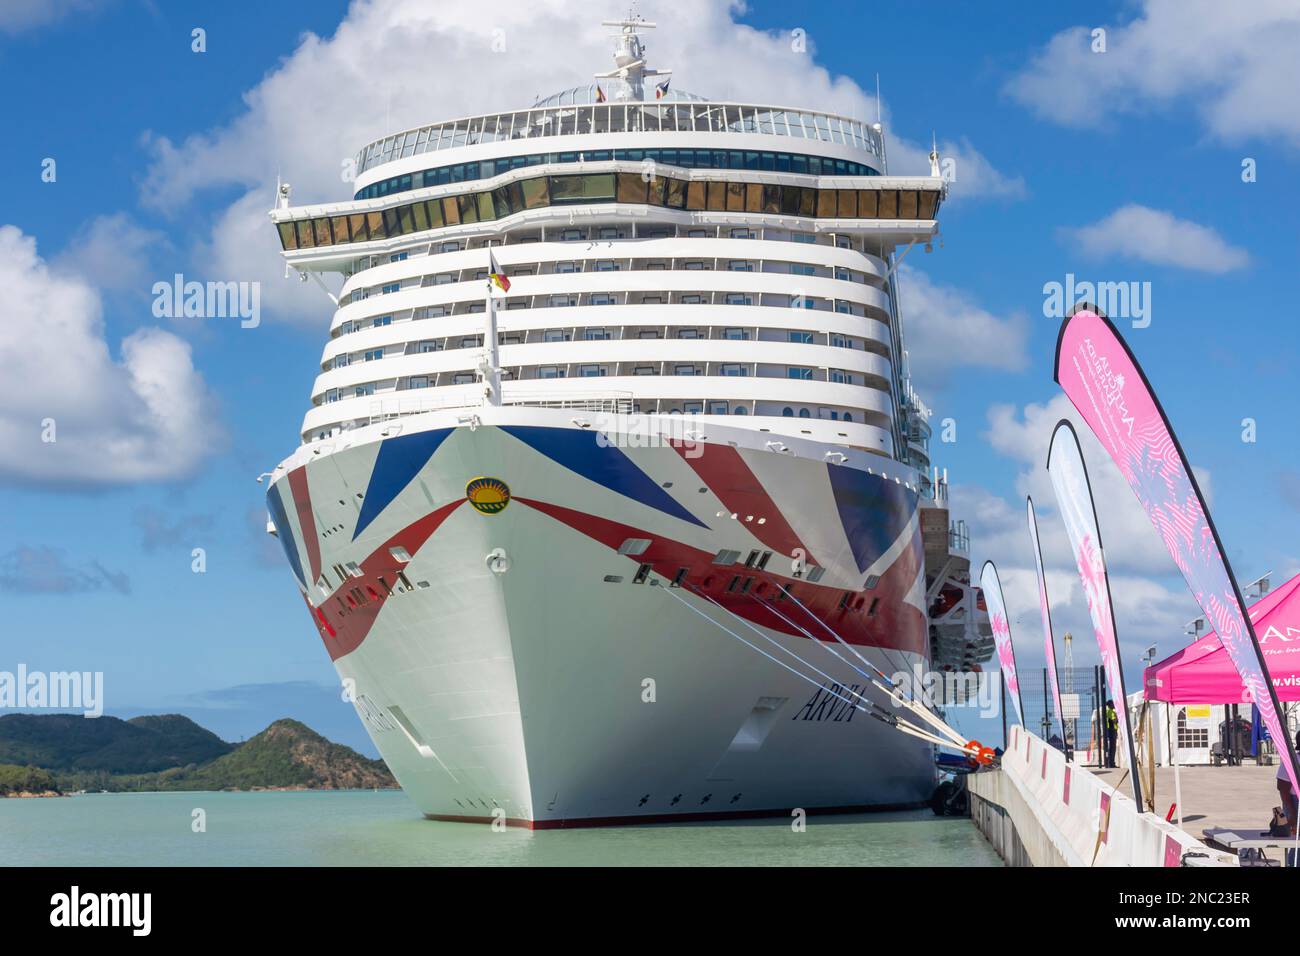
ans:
x=730 y=123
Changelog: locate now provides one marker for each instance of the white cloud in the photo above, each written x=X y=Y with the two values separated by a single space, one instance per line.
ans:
x=1151 y=600
x=142 y=417
x=375 y=75
x=110 y=253
x=41 y=570
x=974 y=176
x=945 y=330
x=19 y=15
x=1159 y=237
x=1235 y=63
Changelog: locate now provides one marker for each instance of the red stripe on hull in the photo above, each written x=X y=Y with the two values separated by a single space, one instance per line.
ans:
x=694 y=816
x=893 y=623
x=346 y=617
x=306 y=520
x=722 y=468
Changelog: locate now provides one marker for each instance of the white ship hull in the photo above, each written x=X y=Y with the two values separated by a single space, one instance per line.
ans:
x=548 y=696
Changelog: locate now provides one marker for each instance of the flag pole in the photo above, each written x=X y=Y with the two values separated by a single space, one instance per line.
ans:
x=491 y=354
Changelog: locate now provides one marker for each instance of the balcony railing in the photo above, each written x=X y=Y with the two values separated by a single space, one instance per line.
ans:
x=523 y=126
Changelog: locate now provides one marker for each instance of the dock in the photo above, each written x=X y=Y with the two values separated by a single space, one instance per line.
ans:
x=1038 y=809
x=1235 y=797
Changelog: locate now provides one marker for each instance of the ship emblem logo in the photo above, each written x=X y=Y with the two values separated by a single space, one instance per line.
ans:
x=489 y=496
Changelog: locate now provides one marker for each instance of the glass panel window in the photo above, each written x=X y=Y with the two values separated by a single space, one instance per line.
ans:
x=735 y=371
x=361 y=391
x=644 y=370
x=555 y=335
x=418 y=381
x=717 y=196
x=550 y=371
x=735 y=197
x=803 y=374
x=695 y=195
x=591 y=371
x=735 y=334
x=631 y=188
x=683 y=369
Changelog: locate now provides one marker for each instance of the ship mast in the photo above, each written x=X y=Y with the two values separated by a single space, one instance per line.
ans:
x=630 y=58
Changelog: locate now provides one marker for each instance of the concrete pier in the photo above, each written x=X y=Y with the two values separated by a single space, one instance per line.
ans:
x=1039 y=810
x=1237 y=797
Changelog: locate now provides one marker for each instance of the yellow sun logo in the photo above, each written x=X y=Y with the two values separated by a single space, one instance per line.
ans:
x=489 y=496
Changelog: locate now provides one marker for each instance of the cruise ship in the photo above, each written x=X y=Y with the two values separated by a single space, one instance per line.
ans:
x=613 y=459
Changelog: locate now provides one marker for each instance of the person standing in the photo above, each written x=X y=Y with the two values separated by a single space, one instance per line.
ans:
x=1111 y=723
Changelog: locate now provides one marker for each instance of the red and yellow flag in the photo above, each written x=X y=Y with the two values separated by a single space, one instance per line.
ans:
x=495 y=276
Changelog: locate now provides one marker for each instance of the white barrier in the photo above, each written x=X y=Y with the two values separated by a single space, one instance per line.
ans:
x=1063 y=815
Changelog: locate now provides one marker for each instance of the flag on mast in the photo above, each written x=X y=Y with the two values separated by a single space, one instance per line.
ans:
x=1074 y=500
x=1046 y=613
x=600 y=94
x=1102 y=378
x=1001 y=624
x=495 y=276
x=661 y=89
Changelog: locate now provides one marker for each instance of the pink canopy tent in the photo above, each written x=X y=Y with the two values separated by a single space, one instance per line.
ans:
x=1201 y=672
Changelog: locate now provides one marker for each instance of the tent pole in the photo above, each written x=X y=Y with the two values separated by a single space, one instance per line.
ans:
x=1178 y=789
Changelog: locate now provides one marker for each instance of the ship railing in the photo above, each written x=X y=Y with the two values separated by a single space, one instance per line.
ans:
x=959 y=537
x=523 y=126
x=609 y=402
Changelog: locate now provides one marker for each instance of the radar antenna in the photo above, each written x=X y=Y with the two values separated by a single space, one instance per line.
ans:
x=630 y=58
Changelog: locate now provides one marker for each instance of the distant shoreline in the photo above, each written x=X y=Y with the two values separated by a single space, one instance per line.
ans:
x=96 y=793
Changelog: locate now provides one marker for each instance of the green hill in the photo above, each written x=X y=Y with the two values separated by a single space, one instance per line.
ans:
x=288 y=754
x=48 y=752
x=19 y=780
x=70 y=742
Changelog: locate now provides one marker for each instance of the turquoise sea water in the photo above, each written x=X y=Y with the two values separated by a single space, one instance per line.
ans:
x=361 y=828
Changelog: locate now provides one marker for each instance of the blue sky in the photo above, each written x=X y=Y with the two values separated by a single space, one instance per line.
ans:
x=1117 y=166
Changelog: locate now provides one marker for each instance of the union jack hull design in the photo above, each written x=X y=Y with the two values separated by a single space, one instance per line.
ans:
x=579 y=654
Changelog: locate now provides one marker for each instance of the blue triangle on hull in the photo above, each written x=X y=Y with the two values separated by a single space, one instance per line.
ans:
x=398 y=461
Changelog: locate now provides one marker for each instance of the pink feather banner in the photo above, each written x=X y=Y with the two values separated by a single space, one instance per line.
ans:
x=1102 y=378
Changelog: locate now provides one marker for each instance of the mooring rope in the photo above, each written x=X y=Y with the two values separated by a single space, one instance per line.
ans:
x=876 y=710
